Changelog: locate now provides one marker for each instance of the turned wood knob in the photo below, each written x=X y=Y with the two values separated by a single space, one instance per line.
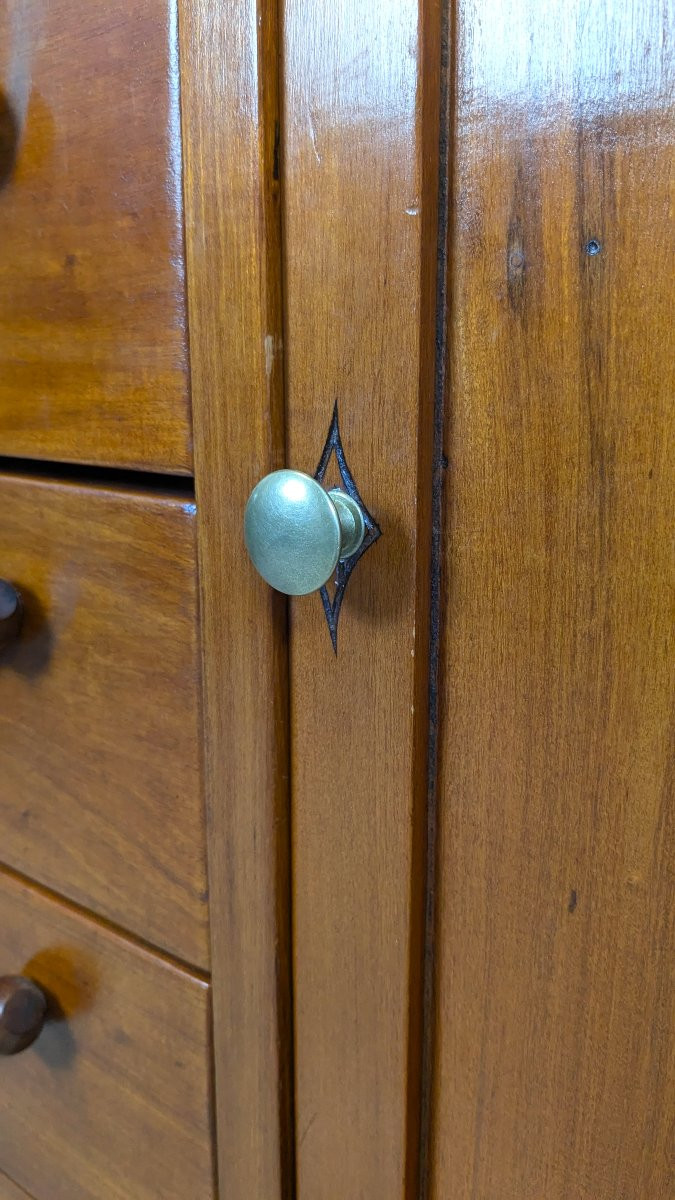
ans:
x=11 y=612
x=23 y=1008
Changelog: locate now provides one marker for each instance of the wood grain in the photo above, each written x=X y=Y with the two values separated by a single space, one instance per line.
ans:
x=555 y=922
x=359 y=153
x=112 y=1101
x=233 y=261
x=93 y=357
x=100 y=794
x=9 y=1190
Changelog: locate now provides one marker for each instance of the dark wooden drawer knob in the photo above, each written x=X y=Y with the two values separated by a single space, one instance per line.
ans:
x=11 y=612
x=23 y=1008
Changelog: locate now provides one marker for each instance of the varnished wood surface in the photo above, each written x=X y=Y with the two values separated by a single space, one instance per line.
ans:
x=229 y=72
x=9 y=1190
x=555 y=929
x=93 y=358
x=99 y=706
x=359 y=242
x=112 y=1101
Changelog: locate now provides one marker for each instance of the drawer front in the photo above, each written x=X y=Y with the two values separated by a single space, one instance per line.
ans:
x=9 y=1190
x=112 y=1101
x=93 y=359
x=100 y=794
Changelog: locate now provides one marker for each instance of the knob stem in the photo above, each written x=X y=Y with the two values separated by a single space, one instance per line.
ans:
x=352 y=524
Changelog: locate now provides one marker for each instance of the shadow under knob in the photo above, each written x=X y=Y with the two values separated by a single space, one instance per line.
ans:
x=296 y=533
x=23 y=1008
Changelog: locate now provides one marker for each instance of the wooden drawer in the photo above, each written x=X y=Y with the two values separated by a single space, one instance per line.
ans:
x=112 y=1101
x=100 y=795
x=10 y=1191
x=93 y=358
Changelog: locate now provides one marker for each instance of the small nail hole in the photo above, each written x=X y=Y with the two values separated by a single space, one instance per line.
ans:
x=593 y=247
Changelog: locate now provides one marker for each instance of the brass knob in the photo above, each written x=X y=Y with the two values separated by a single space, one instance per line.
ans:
x=296 y=532
x=23 y=1008
x=11 y=612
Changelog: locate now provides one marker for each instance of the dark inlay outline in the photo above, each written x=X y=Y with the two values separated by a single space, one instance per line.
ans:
x=344 y=569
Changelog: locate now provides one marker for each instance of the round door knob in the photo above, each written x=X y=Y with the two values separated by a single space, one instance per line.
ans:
x=296 y=533
x=23 y=1008
x=11 y=612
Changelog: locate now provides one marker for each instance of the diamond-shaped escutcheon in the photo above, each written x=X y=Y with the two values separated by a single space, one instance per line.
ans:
x=333 y=446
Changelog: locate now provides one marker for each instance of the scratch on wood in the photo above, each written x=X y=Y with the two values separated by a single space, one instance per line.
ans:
x=312 y=134
x=269 y=354
x=308 y=1126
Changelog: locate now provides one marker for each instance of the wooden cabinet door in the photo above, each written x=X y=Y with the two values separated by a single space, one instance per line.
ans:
x=475 y=231
x=359 y=229
x=554 y=935
x=444 y=225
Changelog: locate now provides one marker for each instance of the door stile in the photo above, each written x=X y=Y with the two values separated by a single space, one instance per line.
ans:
x=229 y=92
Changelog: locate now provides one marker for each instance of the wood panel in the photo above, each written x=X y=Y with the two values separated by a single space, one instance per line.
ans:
x=112 y=1100
x=360 y=241
x=233 y=259
x=99 y=697
x=555 y=920
x=93 y=359
x=9 y=1190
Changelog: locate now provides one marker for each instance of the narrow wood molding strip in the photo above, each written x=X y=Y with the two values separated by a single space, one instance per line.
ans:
x=229 y=75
